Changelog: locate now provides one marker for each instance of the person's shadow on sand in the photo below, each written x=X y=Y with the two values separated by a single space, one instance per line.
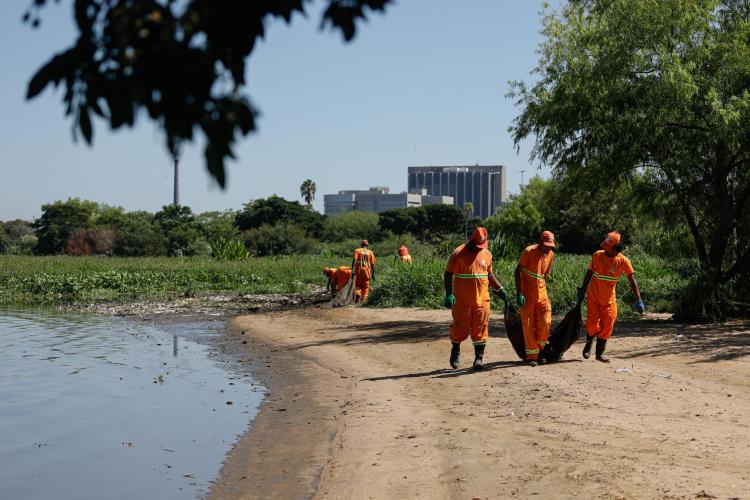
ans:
x=449 y=372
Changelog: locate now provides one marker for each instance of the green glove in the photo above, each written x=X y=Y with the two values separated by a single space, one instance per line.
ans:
x=502 y=293
x=520 y=299
x=449 y=301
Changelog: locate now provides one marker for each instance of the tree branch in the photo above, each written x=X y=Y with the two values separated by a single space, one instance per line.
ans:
x=687 y=127
x=700 y=245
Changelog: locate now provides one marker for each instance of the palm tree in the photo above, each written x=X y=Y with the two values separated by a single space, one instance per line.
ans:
x=307 y=191
x=469 y=212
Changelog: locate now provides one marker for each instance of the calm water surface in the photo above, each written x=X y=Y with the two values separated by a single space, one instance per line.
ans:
x=99 y=407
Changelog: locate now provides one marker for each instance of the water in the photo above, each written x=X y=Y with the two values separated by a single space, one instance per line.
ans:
x=99 y=407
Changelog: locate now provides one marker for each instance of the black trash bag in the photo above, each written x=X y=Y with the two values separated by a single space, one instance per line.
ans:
x=564 y=335
x=514 y=329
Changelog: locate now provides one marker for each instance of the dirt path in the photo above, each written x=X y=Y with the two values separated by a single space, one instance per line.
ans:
x=363 y=406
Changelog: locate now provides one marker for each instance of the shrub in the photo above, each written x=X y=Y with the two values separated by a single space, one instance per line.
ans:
x=92 y=241
x=352 y=226
x=417 y=285
x=275 y=210
x=285 y=238
x=224 y=249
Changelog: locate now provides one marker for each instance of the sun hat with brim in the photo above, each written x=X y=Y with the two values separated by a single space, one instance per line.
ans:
x=547 y=239
x=479 y=237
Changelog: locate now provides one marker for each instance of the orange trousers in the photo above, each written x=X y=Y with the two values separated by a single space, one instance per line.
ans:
x=362 y=284
x=600 y=319
x=536 y=318
x=470 y=320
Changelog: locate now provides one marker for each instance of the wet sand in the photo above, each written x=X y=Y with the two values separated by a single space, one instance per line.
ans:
x=362 y=404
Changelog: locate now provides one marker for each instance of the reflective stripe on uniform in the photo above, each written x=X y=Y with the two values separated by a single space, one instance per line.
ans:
x=533 y=275
x=532 y=351
x=470 y=275
x=604 y=277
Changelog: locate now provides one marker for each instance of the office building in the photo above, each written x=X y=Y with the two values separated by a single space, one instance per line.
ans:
x=379 y=199
x=484 y=186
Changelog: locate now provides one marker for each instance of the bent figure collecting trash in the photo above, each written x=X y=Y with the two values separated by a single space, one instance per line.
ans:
x=531 y=285
x=468 y=276
x=606 y=268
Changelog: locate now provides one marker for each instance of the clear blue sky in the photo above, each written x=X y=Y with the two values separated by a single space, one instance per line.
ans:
x=424 y=84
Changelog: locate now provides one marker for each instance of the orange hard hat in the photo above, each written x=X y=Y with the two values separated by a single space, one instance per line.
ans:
x=547 y=238
x=402 y=250
x=480 y=238
x=612 y=240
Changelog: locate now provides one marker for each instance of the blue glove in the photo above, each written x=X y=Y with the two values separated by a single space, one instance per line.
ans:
x=640 y=306
x=450 y=299
x=520 y=299
x=581 y=294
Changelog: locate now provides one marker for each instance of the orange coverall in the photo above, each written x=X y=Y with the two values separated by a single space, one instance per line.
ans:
x=364 y=259
x=331 y=274
x=343 y=275
x=536 y=313
x=403 y=255
x=471 y=312
x=601 y=298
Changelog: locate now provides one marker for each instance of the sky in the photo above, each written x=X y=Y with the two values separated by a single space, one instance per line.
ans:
x=424 y=84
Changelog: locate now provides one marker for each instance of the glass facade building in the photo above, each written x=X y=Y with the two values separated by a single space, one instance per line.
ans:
x=483 y=186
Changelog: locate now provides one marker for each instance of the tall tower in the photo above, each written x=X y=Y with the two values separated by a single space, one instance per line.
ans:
x=176 y=159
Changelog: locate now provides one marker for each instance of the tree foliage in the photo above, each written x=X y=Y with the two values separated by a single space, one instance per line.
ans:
x=428 y=223
x=184 y=63
x=625 y=85
x=58 y=222
x=274 y=210
x=352 y=225
x=307 y=190
x=181 y=229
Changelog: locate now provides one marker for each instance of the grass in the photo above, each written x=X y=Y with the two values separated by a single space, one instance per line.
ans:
x=421 y=285
x=55 y=280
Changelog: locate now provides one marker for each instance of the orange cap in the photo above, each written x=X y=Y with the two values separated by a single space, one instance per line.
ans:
x=479 y=237
x=364 y=243
x=611 y=240
x=547 y=238
x=402 y=250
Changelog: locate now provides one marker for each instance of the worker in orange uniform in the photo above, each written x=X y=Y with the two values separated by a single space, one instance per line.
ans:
x=337 y=278
x=343 y=275
x=606 y=268
x=331 y=275
x=363 y=264
x=403 y=254
x=531 y=295
x=468 y=276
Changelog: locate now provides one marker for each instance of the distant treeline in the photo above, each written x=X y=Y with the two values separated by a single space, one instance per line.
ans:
x=269 y=226
x=275 y=226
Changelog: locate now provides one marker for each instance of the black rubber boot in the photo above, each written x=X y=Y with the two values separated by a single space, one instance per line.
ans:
x=601 y=345
x=478 y=355
x=455 y=353
x=587 y=347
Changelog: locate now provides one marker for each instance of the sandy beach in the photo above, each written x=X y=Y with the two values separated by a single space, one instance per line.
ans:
x=362 y=404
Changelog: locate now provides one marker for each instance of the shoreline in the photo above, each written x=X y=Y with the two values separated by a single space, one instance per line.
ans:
x=361 y=404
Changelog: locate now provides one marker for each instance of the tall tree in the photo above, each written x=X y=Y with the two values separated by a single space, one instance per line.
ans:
x=307 y=191
x=664 y=84
x=181 y=62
